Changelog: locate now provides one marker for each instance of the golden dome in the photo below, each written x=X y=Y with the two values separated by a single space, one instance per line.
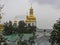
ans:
x=15 y=21
x=27 y=21
x=32 y=17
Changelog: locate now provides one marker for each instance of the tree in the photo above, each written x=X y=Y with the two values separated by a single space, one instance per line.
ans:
x=2 y=39
x=20 y=31
x=5 y=30
x=21 y=27
x=8 y=28
x=55 y=34
x=15 y=28
x=31 y=29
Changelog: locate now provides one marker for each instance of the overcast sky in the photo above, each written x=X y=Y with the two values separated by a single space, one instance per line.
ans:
x=46 y=11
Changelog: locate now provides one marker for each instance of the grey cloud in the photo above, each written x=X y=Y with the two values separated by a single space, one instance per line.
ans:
x=55 y=3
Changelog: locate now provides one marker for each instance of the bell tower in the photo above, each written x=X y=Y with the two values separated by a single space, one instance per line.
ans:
x=31 y=19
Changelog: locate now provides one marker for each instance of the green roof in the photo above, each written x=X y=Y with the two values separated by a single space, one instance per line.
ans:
x=27 y=36
x=14 y=37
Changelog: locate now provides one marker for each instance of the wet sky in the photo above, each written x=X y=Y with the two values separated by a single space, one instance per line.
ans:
x=46 y=11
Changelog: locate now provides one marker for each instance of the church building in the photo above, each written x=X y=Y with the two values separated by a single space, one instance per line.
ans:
x=31 y=19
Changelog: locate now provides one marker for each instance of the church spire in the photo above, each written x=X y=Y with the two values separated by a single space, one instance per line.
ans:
x=31 y=10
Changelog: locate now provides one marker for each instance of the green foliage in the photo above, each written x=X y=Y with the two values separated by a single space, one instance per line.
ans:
x=55 y=34
x=15 y=28
x=7 y=28
x=21 y=27
x=2 y=39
